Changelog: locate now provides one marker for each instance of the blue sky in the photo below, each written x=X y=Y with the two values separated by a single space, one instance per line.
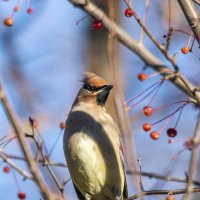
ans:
x=50 y=50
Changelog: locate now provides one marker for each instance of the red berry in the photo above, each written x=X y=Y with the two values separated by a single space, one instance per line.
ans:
x=171 y=132
x=147 y=110
x=142 y=76
x=128 y=12
x=155 y=135
x=21 y=195
x=29 y=11
x=6 y=169
x=16 y=8
x=147 y=127
x=185 y=50
x=8 y=21
x=97 y=25
x=62 y=125
x=170 y=197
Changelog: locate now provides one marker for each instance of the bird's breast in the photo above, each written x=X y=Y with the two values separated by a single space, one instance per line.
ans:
x=87 y=165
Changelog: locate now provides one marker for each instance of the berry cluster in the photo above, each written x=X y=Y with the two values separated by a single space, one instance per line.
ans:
x=148 y=110
x=98 y=24
x=20 y=195
x=8 y=21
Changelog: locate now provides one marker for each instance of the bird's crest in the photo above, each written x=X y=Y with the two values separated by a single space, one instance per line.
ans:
x=93 y=80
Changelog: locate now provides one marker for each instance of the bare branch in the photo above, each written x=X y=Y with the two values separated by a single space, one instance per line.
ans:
x=137 y=47
x=152 y=38
x=193 y=160
x=123 y=118
x=197 y=2
x=160 y=192
x=47 y=194
x=45 y=158
x=14 y=166
x=49 y=162
x=191 y=16
x=162 y=177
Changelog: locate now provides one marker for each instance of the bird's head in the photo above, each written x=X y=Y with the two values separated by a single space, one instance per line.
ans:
x=95 y=89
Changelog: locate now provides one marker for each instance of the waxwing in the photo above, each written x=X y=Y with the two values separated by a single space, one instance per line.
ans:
x=93 y=146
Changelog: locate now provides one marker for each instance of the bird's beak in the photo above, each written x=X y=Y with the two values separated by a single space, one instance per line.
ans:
x=108 y=87
x=103 y=95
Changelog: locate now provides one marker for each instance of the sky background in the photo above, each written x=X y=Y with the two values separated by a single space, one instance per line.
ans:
x=42 y=60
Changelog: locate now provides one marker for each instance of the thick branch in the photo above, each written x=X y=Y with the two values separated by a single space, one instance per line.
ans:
x=191 y=16
x=135 y=46
x=124 y=121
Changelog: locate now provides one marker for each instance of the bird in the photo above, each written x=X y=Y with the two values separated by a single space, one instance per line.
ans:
x=93 y=146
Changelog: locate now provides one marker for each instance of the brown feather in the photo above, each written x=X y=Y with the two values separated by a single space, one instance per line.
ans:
x=94 y=80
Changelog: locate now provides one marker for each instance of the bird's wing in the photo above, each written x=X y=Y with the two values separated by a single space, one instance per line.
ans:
x=125 y=191
x=121 y=150
x=80 y=196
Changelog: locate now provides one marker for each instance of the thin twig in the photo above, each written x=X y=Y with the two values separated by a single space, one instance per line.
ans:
x=162 y=177
x=193 y=159
x=134 y=46
x=152 y=38
x=197 y=2
x=161 y=192
x=145 y=19
x=47 y=194
x=45 y=158
x=15 y=167
x=49 y=162
x=54 y=145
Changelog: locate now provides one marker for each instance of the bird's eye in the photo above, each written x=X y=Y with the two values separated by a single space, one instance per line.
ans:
x=90 y=88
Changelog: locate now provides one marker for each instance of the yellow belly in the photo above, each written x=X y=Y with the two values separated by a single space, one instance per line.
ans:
x=88 y=169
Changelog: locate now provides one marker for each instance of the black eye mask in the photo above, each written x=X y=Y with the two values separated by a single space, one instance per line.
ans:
x=102 y=97
x=92 y=89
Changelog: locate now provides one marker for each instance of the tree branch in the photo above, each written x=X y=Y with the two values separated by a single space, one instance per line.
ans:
x=14 y=166
x=161 y=192
x=47 y=194
x=49 y=162
x=191 y=16
x=193 y=159
x=161 y=177
x=137 y=47
x=197 y=2
x=152 y=38
x=123 y=118
x=45 y=158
